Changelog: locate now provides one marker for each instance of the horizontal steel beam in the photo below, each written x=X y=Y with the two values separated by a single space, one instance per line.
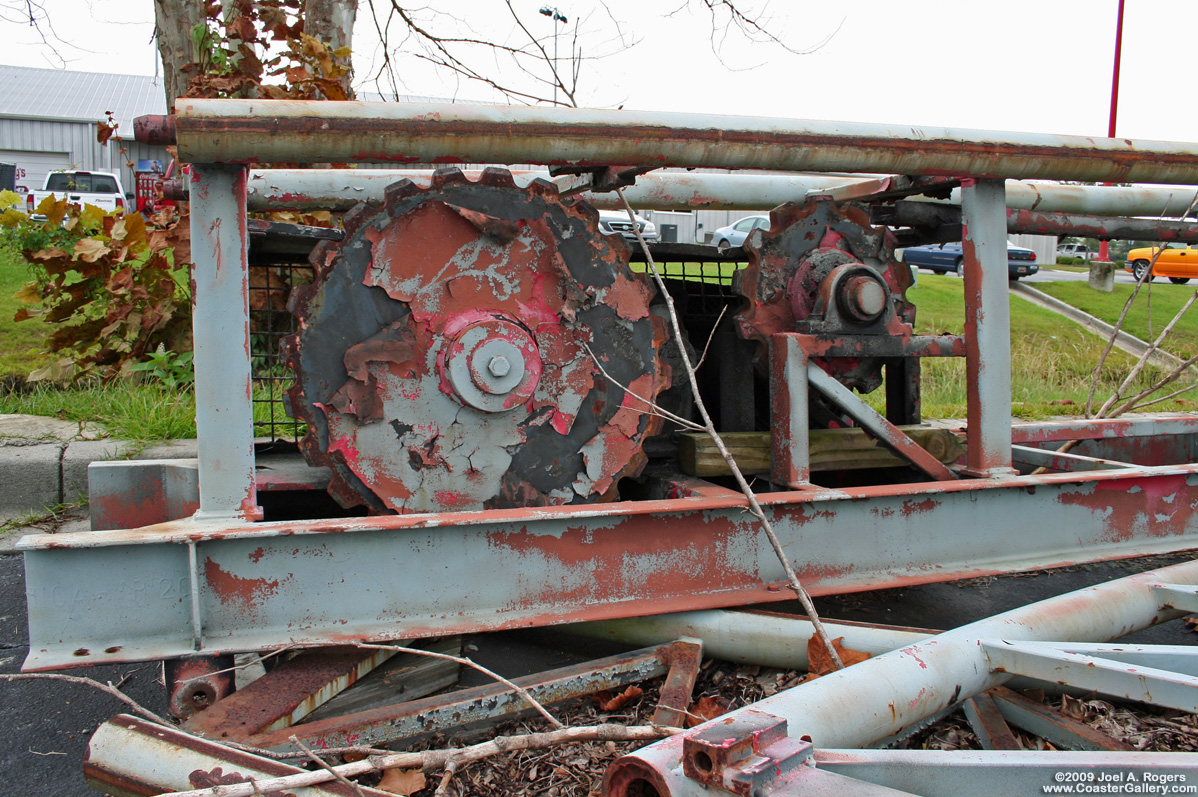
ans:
x=248 y=131
x=126 y=595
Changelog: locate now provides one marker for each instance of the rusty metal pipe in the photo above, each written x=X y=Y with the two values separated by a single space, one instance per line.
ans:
x=878 y=698
x=942 y=217
x=755 y=637
x=341 y=189
x=247 y=131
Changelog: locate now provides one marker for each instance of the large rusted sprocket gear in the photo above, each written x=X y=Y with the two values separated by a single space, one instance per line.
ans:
x=822 y=269
x=444 y=358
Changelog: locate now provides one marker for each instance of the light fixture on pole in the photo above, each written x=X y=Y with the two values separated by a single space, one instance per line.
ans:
x=551 y=11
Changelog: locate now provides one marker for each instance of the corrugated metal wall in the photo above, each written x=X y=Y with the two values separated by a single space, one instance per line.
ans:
x=78 y=140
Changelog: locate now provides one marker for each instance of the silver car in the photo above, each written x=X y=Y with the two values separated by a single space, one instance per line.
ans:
x=735 y=234
x=615 y=222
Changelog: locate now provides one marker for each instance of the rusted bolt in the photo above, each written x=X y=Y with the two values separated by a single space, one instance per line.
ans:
x=499 y=366
x=864 y=298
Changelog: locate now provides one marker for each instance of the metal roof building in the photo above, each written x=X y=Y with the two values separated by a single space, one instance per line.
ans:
x=48 y=121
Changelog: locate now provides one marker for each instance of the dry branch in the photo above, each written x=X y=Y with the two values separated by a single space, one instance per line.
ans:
x=438 y=759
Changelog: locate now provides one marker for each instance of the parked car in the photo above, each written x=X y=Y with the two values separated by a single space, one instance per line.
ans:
x=734 y=234
x=615 y=222
x=1178 y=262
x=1076 y=250
x=945 y=258
x=102 y=189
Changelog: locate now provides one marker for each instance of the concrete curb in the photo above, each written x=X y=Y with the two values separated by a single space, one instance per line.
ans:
x=42 y=473
x=1128 y=343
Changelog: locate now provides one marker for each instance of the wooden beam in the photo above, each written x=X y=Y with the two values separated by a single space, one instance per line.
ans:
x=831 y=449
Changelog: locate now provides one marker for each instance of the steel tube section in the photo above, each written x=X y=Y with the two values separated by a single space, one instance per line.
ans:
x=221 y=324
x=877 y=698
x=341 y=189
x=987 y=328
x=1091 y=200
x=877 y=425
x=247 y=131
x=124 y=595
x=129 y=756
x=762 y=638
x=950 y=773
x=941 y=218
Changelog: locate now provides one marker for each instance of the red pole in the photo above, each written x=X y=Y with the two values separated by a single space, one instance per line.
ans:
x=1103 y=248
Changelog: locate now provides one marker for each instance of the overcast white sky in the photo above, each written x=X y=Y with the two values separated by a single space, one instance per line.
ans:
x=1020 y=65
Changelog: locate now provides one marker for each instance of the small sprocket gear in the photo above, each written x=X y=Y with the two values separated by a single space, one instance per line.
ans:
x=809 y=249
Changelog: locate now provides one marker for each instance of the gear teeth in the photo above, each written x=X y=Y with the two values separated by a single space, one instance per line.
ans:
x=450 y=175
x=542 y=187
x=357 y=217
x=401 y=189
x=497 y=178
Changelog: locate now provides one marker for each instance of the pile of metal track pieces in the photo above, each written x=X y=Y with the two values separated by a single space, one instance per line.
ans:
x=823 y=736
x=306 y=702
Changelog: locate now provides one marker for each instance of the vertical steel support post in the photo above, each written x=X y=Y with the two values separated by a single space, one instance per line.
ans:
x=221 y=323
x=987 y=327
x=790 y=455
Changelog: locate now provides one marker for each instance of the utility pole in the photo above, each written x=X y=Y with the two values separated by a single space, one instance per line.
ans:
x=551 y=11
x=1104 y=246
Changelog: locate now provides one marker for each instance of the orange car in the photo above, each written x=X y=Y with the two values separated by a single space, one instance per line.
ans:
x=1178 y=262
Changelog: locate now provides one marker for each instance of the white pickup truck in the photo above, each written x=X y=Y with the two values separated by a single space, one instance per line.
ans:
x=102 y=189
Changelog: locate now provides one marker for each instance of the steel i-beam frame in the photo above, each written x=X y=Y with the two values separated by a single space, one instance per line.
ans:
x=221 y=320
x=226 y=585
x=987 y=327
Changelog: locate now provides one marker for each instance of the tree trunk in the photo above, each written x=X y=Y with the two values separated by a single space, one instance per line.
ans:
x=332 y=22
x=175 y=20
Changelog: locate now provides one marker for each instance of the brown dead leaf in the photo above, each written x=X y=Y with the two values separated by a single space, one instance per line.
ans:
x=704 y=709
x=608 y=703
x=1072 y=707
x=820 y=663
x=1191 y=623
x=402 y=781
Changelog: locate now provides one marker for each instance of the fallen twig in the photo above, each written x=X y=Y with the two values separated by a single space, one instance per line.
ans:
x=437 y=759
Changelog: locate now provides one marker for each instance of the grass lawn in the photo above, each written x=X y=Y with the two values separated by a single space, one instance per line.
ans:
x=1153 y=309
x=20 y=342
x=1052 y=360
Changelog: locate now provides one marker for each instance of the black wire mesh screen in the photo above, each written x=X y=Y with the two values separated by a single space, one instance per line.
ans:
x=271 y=277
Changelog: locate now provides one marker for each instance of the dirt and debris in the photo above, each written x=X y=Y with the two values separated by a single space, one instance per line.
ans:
x=577 y=770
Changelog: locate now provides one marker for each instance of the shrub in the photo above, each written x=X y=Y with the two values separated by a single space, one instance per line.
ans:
x=115 y=287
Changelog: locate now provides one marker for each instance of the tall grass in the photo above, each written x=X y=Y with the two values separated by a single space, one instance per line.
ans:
x=1052 y=359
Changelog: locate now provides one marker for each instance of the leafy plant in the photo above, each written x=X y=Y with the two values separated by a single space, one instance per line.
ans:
x=171 y=370
x=114 y=287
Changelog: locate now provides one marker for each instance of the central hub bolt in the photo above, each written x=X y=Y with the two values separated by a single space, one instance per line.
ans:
x=865 y=298
x=499 y=366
